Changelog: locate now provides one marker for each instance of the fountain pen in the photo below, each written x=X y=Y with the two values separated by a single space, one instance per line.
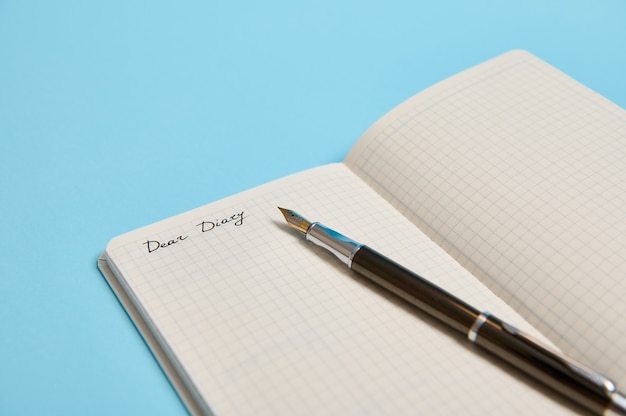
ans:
x=573 y=380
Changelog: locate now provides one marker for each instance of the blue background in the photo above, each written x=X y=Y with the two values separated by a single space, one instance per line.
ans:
x=116 y=114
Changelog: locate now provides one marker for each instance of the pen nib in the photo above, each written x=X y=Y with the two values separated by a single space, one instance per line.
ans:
x=294 y=220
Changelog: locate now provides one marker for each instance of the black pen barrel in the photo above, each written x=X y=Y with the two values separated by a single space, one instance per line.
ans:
x=570 y=378
x=579 y=383
x=414 y=289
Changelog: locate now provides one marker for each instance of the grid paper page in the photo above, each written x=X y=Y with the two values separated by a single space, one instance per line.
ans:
x=262 y=322
x=519 y=172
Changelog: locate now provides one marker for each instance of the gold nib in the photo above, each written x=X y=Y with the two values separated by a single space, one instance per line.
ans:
x=295 y=220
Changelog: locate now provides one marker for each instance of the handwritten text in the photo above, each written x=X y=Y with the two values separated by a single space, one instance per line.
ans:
x=235 y=219
x=154 y=245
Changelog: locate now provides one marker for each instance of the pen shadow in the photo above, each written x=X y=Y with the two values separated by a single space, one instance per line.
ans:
x=285 y=227
x=461 y=339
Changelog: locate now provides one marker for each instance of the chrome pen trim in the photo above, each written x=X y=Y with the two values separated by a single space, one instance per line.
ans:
x=342 y=247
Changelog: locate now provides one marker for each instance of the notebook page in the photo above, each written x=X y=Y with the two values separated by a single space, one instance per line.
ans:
x=519 y=172
x=261 y=322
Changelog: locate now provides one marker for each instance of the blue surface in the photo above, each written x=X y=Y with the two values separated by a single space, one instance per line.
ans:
x=116 y=114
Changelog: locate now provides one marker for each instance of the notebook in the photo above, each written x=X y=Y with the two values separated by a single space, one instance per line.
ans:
x=504 y=184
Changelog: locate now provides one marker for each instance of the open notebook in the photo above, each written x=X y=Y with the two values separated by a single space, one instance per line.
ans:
x=505 y=185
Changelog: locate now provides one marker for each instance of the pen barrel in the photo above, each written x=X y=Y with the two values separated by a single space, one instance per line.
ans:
x=566 y=376
x=414 y=289
x=559 y=372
